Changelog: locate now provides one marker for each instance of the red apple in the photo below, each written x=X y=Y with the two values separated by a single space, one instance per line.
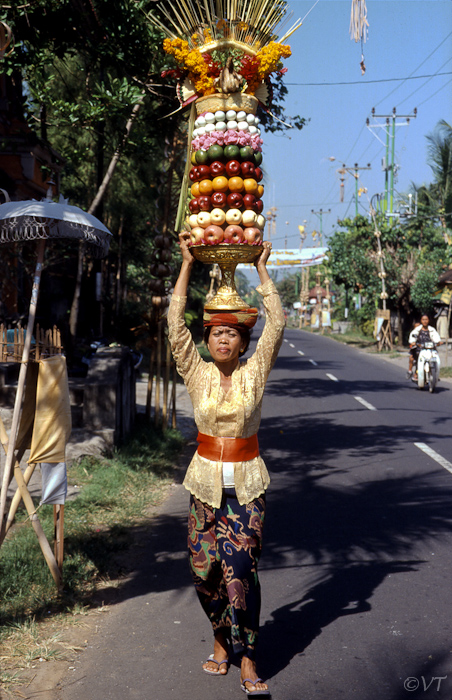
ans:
x=233 y=234
x=235 y=200
x=205 y=203
x=249 y=201
x=204 y=172
x=193 y=205
x=258 y=174
x=252 y=234
x=213 y=234
x=216 y=168
x=258 y=206
x=194 y=174
x=219 y=200
x=232 y=168
x=247 y=168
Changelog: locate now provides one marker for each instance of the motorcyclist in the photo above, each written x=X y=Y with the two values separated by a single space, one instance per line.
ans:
x=422 y=333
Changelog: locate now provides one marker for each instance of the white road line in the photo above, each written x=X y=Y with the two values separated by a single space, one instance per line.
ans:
x=332 y=377
x=313 y=362
x=365 y=403
x=291 y=345
x=301 y=353
x=434 y=455
x=285 y=340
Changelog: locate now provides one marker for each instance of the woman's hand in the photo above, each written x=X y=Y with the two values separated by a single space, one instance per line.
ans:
x=264 y=256
x=184 y=239
x=181 y=286
x=261 y=262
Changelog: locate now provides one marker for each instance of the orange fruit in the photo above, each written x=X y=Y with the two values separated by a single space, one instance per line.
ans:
x=236 y=184
x=205 y=187
x=260 y=191
x=195 y=189
x=250 y=185
x=220 y=183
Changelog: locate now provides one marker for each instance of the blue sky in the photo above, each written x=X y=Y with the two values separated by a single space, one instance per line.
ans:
x=406 y=39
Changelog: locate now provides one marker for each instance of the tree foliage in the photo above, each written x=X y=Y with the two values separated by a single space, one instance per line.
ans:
x=413 y=253
x=82 y=72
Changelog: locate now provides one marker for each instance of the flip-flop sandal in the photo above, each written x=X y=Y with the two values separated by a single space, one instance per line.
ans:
x=218 y=663
x=256 y=692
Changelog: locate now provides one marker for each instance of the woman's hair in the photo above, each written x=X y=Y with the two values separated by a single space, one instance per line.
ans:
x=244 y=334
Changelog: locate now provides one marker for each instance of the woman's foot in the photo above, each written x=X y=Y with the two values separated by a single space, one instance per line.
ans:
x=251 y=683
x=217 y=664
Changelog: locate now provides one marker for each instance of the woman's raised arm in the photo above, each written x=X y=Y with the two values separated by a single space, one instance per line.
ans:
x=181 y=286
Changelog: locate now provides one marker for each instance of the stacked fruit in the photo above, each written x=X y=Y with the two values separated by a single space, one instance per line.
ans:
x=226 y=194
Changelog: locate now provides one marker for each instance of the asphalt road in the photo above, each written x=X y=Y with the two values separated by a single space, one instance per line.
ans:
x=356 y=570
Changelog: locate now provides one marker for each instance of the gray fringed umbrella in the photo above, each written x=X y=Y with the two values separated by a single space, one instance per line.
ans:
x=32 y=220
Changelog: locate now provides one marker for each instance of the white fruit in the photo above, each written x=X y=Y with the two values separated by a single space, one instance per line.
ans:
x=220 y=126
x=193 y=220
x=233 y=216
x=209 y=117
x=260 y=221
x=248 y=217
x=217 y=216
x=219 y=116
x=241 y=116
x=230 y=114
x=243 y=126
x=232 y=125
x=203 y=219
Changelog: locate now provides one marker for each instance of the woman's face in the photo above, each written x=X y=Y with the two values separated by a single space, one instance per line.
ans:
x=425 y=321
x=224 y=343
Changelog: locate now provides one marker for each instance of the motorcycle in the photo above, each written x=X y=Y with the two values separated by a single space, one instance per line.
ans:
x=428 y=364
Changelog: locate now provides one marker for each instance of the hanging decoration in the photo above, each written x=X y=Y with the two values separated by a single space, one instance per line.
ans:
x=359 y=27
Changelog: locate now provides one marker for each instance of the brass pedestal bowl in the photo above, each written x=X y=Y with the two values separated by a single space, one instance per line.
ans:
x=227 y=257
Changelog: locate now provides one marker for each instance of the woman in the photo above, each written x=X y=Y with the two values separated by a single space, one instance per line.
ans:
x=227 y=478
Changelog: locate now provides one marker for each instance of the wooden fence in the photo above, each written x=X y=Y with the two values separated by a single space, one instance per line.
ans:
x=43 y=343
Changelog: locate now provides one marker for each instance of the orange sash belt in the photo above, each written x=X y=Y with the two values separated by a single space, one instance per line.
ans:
x=228 y=449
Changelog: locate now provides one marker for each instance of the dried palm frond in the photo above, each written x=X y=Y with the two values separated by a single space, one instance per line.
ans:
x=253 y=23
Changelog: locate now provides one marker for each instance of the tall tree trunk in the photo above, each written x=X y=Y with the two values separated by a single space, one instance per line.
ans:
x=73 y=317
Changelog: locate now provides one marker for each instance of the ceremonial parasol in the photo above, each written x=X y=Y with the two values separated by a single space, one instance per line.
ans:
x=32 y=220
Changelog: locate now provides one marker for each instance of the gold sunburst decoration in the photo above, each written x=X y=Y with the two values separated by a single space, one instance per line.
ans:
x=212 y=24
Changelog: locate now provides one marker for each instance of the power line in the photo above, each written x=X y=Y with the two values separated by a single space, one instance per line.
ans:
x=370 y=82
x=416 y=69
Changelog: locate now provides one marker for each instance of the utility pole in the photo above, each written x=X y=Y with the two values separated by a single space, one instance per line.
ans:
x=354 y=172
x=271 y=218
x=320 y=214
x=389 y=166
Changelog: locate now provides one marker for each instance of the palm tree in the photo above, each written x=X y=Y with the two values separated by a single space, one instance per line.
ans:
x=440 y=161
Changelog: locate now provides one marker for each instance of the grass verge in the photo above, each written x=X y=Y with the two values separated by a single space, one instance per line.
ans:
x=113 y=495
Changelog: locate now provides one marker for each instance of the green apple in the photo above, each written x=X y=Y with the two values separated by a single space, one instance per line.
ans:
x=257 y=157
x=231 y=152
x=201 y=157
x=215 y=152
x=246 y=153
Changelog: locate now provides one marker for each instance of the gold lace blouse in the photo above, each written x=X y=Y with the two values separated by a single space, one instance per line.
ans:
x=236 y=413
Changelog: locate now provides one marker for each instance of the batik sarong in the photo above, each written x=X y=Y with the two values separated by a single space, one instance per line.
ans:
x=224 y=549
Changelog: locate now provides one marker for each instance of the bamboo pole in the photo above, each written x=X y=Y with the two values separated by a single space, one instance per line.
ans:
x=27 y=476
x=174 y=417
x=166 y=386
x=150 y=382
x=21 y=382
x=58 y=521
x=158 y=373
x=37 y=527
